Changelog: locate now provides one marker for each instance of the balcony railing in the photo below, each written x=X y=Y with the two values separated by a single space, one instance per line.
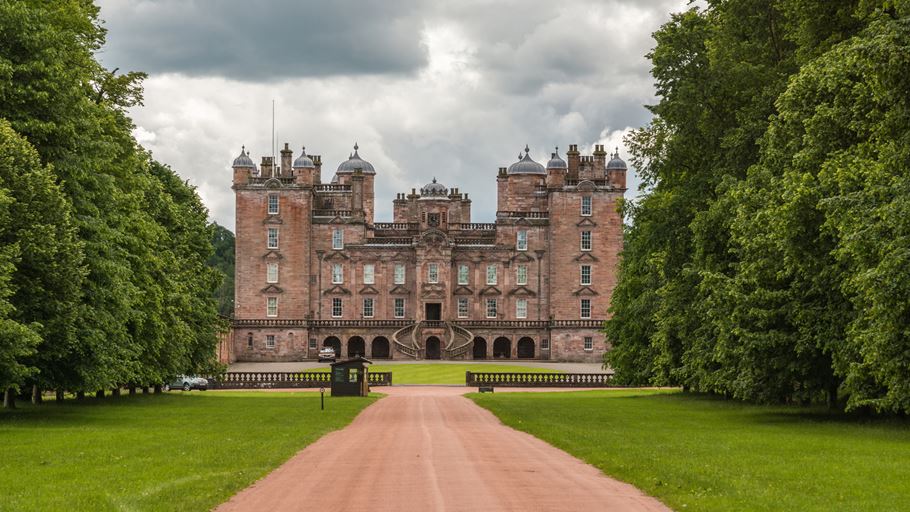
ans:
x=526 y=215
x=399 y=323
x=332 y=188
x=395 y=226
x=331 y=213
x=473 y=226
x=389 y=240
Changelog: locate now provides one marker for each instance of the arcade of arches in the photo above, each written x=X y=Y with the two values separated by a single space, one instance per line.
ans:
x=380 y=347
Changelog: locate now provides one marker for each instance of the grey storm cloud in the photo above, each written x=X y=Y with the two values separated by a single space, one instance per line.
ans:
x=264 y=41
x=451 y=90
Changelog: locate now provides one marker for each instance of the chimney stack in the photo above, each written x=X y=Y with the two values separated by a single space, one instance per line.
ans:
x=286 y=154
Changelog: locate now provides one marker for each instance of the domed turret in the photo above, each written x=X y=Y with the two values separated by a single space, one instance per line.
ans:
x=525 y=165
x=556 y=162
x=355 y=162
x=303 y=161
x=244 y=160
x=616 y=163
x=434 y=189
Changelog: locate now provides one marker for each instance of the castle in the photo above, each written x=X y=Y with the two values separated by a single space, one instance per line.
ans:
x=313 y=269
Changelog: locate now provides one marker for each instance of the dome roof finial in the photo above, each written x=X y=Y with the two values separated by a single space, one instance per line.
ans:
x=526 y=164
x=303 y=161
x=527 y=149
x=355 y=162
x=243 y=159
x=556 y=162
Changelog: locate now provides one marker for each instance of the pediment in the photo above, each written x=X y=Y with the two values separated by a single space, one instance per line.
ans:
x=338 y=220
x=337 y=255
x=272 y=289
x=586 y=222
x=401 y=256
x=368 y=290
x=522 y=222
x=273 y=219
x=399 y=290
x=523 y=291
x=490 y=290
x=434 y=238
x=272 y=183
x=586 y=185
x=336 y=290
x=586 y=256
x=585 y=290
x=463 y=290
x=272 y=255
x=521 y=257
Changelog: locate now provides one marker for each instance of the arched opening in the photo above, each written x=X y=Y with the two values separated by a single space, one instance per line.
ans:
x=333 y=342
x=380 y=348
x=526 y=348
x=479 y=350
x=502 y=348
x=434 y=348
x=356 y=347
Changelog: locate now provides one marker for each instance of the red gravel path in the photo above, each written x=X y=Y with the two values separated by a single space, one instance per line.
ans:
x=430 y=449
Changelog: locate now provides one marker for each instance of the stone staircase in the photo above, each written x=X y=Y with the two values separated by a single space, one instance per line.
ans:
x=460 y=340
x=405 y=342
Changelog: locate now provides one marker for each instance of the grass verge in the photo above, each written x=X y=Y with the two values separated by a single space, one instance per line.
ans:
x=701 y=453
x=179 y=451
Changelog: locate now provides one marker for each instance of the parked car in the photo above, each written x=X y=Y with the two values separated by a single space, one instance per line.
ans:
x=186 y=383
x=326 y=354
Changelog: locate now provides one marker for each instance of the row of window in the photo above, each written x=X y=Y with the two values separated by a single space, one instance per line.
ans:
x=586 y=209
x=398 y=307
x=521 y=242
x=369 y=274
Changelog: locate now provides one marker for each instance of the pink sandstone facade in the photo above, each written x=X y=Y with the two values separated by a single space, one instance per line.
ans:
x=313 y=269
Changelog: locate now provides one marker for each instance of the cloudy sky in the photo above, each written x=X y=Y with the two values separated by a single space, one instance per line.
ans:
x=451 y=90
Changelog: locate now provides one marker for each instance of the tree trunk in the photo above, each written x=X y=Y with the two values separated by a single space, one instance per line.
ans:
x=132 y=389
x=59 y=396
x=99 y=393
x=145 y=390
x=9 y=399
x=36 y=394
x=115 y=392
x=80 y=395
x=832 y=396
x=157 y=389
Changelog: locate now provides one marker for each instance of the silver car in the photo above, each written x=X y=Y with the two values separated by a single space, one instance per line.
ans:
x=186 y=383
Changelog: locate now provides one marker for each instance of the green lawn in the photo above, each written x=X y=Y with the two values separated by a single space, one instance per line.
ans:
x=180 y=451
x=445 y=373
x=700 y=453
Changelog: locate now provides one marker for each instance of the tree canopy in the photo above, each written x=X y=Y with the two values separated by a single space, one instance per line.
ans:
x=767 y=258
x=103 y=264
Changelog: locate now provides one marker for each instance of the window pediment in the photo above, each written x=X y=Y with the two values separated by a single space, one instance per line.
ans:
x=586 y=222
x=368 y=290
x=585 y=290
x=336 y=290
x=490 y=290
x=399 y=290
x=463 y=290
x=523 y=291
x=586 y=256
x=272 y=289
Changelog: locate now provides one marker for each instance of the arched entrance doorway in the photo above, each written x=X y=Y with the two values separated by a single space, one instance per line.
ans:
x=434 y=348
x=380 y=348
x=479 y=350
x=333 y=342
x=525 y=348
x=502 y=348
x=356 y=347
